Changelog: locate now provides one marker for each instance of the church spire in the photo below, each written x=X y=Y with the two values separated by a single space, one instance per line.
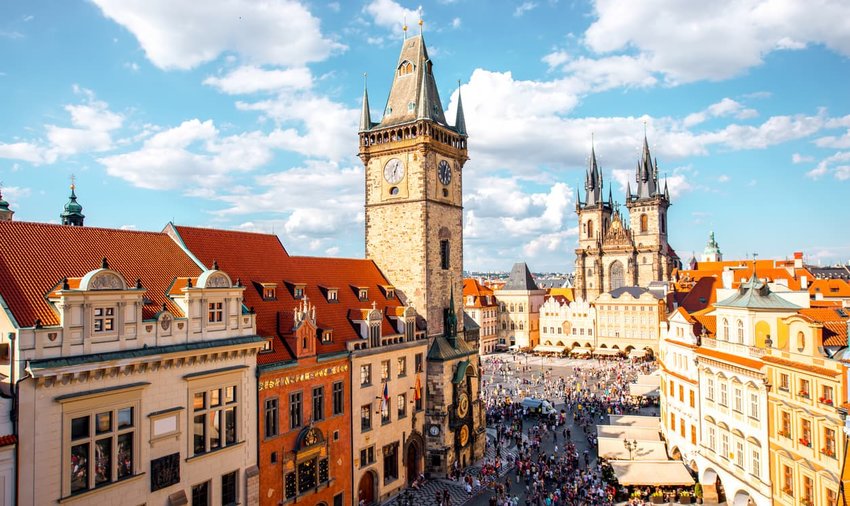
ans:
x=646 y=174
x=73 y=213
x=5 y=212
x=460 y=120
x=365 y=115
x=593 y=183
x=450 y=330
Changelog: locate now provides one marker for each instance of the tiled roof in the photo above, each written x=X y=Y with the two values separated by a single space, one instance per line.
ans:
x=520 y=278
x=823 y=371
x=701 y=295
x=441 y=350
x=260 y=258
x=472 y=288
x=706 y=321
x=8 y=439
x=34 y=257
x=756 y=294
x=830 y=287
x=834 y=321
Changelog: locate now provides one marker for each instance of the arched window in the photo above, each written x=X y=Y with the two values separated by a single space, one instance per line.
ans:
x=617 y=275
x=405 y=68
x=513 y=308
x=644 y=223
x=801 y=341
x=513 y=326
x=520 y=308
x=590 y=229
x=663 y=224
x=740 y=331
x=521 y=326
x=725 y=329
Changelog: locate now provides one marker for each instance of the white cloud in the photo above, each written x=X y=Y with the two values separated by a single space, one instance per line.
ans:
x=682 y=40
x=726 y=107
x=838 y=164
x=251 y=79
x=24 y=151
x=798 y=158
x=456 y=23
x=556 y=58
x=132 y=66
x=723 y=178
x=842 y=142
x=183 y=35
x=193 y=157
x=524 y=7
x=391 y=15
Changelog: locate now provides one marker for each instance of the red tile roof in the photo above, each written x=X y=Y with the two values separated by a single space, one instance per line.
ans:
x=834 y=321
x=830 y=287
x=34 y=257
x=702 y=295
x=471 y=287
x=8 y=439
x=261 y=258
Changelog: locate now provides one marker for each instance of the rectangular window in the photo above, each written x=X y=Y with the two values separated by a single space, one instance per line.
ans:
x=693 y=399
x=756 y=463
x=808 y=490
x=366 y=374
x=444 y=254
x=788 y=480
x=402 y=366
x=754 y=405
x=804 y=388
x=712 y=438
x=710 y=394
x=290 y=486
x=826 y=395
x=271 y=418
x=724 y=445
x=104 y=319
x=339 y=399
x=831 y=497
x=828 y=442
x=418 y=362
x=229 y=493
x=367 y=456
x=681 y=393
x=216 y=312
x=201 y=494
x=385 y=371
x=318 y=403
x=739 y=454
x=390 y=462
x=102 y=447
x=338 y=499
x=739 y=401
x=365 y=417
x=693 y=434
x=295 y=410
x=805 y=433
x=402 y=405
x=724 y=396
x=214 y=419
x=783 y=382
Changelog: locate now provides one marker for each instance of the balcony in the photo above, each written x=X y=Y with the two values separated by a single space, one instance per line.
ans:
x=733 y=348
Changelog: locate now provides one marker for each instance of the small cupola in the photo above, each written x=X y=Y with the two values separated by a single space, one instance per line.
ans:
x=73 y=213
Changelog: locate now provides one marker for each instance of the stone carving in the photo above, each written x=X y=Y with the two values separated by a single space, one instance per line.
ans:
x=218 y=281
x=106 y=281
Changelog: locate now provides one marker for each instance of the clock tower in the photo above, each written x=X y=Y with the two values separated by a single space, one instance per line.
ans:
x=414 y=161
x=414 y=233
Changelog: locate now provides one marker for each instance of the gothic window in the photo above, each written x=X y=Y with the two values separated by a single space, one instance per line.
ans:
x=617 y=275
x=644 y=223
x=444 y=254
x=405 y=68
x=590 y=229
x=725 y=329
x=663 y=224
x=740 y=331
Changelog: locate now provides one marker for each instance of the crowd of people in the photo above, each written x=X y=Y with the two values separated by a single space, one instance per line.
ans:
x=556 y=473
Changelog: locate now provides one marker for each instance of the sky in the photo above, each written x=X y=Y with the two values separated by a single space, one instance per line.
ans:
x=243 y=114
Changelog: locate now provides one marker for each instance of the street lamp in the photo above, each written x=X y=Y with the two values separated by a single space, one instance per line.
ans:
x=631 y=446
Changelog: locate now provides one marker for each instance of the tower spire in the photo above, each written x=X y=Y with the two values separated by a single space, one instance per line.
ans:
x=73 y=212
x=460 y=120
x=450 y=330
x=5 y=212
x=365 y=114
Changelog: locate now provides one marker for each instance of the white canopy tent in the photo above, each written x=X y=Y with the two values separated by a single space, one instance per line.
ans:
x=613 y=448
x=643 y=390
x=648 y=379
x=650 y=422
x=668 y=473
x=580 y=351
x=608 y=352
x=637 y=353
x=630 y=433
x=548 y=348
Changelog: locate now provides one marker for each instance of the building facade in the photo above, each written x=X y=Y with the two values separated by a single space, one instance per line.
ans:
x=141 y=372
x=566 y=325
x=613 y=253
x=629 y=318
x=520 y=300
x=480 y=304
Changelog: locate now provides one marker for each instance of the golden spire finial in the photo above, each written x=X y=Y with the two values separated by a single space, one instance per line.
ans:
x=404 y=27
x=73 y=182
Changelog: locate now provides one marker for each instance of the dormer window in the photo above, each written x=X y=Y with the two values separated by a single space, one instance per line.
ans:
x=298 y=293
x=269 y=291
x=470 y=300
x=405 y=68
x=327 y=336
x=363 y=294
x=267 y=346
x=216 y=312
x=333 y=295
x=104 y=319
x=390 y=293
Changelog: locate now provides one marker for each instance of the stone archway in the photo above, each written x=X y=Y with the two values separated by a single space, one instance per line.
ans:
x=743 y=498
x=413 y=457
x=712 y=487
x=366 y=488
x=675 y=453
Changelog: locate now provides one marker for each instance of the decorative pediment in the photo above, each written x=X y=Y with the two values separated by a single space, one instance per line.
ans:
x=308 y=438
x=617 y=233
x=214 y=279
x=103 y=279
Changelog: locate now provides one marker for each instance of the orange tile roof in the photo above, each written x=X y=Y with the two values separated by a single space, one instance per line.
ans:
x=728 y=357
x=34 y=257
x=823 y=371
x=830 y=287
x=834 y=321
x=706 y=321
x=261 y=258
x=567 y=293
x=472 y=288
x=702 y=295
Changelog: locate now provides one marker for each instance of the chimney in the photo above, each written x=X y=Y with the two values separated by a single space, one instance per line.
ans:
x=798 y=259
x=804 y=282
x=728 y=277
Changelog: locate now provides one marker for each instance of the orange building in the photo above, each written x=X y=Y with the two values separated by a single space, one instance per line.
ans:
x=302 y=307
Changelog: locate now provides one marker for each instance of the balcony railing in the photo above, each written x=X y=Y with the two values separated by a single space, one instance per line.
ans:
x=733 y=348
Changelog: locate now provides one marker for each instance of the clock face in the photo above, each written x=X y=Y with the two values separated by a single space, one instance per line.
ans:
x=462 y=405
x=434 y=430
x=444 y=171
x=464 y=435
x=394 y=171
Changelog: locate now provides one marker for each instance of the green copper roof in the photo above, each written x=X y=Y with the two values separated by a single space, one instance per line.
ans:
x=4 y=206
x=72 y=207
x=756 y=294
x=460 y=372
x=442 y=350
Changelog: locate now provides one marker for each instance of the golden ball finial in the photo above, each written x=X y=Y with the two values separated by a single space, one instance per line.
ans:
x=404 y=28
x=421 y=22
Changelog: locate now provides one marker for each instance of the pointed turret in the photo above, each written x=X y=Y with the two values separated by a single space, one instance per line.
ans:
x=593 y=182
x=610 y=198
x=365 y=114
x=646 y=174
x=73 y=213
x=666 y=192
x=450 y=330
x=460 y=120
x=5 y=212
x=413 y=94
x=628 y=191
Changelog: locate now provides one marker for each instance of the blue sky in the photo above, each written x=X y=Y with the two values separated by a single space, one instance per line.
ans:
x=243 y=114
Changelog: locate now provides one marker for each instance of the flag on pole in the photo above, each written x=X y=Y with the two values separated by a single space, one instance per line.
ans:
x=417 y=391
